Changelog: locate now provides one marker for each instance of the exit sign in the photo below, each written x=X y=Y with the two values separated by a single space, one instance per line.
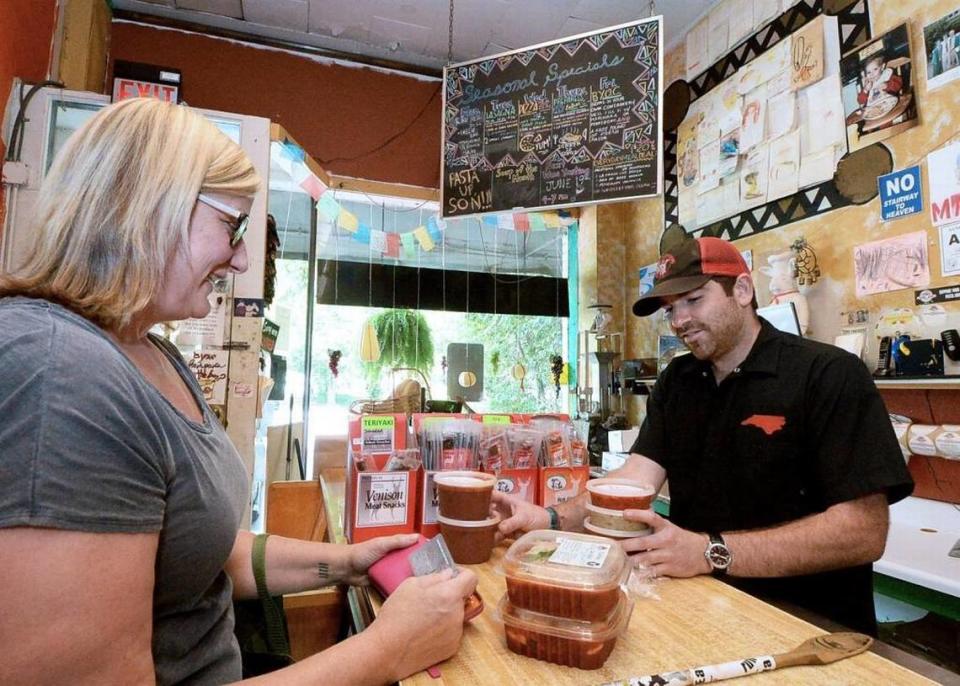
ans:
x=135 y=80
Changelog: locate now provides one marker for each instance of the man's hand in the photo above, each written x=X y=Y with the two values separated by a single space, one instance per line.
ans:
x=516 y=514
x=669 y=550
x=361 y=555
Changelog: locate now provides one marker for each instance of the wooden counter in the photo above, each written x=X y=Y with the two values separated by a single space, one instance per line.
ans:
x=686 y=623
x=690 y=622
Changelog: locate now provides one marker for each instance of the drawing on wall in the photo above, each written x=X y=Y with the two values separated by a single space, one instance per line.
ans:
x=941 y=43
x=878 y=95
x=807 y=55
x=943 y=174
x=892 y=264
x=761 y=107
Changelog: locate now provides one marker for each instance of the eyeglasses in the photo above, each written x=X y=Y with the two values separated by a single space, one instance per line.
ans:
x=242 y=219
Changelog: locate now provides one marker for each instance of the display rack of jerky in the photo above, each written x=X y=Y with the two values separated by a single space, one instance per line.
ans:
x=450 y=444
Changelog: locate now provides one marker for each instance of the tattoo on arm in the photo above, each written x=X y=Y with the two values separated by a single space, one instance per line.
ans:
x=323 y=571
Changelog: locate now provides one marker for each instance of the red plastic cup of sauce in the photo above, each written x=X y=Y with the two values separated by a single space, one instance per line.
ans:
x=465 y=495
x=620 y=494
x=470 y=541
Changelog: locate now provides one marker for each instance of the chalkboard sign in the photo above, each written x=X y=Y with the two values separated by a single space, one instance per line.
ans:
x=559 y=124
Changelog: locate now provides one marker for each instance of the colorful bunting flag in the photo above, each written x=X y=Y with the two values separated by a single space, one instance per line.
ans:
x=393 y=245
x=328 y=207
x=314 y=186
x=378 y=240
x=363 y=233
x=537 y=222
x=520 y=222
x=349 y=221
x=424 y=238
x=406 y=240
x=552 y=220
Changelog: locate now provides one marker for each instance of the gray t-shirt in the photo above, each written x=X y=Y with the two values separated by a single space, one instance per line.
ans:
x=88 y=444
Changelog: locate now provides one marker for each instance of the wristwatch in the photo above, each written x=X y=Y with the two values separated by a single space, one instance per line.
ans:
x=554 y=519
x=718 y=555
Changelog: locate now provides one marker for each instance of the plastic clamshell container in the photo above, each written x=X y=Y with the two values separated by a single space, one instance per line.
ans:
x=470 y=542
x=605 y=519
x=620 y=494
x=464 y=495
x=570 y=642
x=571 y=575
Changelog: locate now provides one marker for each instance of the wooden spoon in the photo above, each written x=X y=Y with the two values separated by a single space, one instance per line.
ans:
x=820 y=650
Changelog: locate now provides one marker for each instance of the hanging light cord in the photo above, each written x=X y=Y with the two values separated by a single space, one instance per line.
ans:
x=450 y=36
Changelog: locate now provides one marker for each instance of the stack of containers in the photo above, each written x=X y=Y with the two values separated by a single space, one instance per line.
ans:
x=608 y=499
x=564 y=601
x=465 y=520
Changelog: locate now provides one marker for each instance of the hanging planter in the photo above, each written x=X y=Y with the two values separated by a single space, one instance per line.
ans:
x=333 y=362
x=556 y=369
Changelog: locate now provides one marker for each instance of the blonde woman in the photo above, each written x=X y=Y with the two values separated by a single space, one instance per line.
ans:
x=120 y=495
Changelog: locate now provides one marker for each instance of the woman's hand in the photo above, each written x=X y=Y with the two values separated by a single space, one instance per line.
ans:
x=421 y=623
x=361 y=555
x=516 y=514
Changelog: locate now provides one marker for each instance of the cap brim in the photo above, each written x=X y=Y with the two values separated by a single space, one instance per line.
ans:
x=651 y=302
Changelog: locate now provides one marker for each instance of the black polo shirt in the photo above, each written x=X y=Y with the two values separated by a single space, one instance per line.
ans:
x=797 y=427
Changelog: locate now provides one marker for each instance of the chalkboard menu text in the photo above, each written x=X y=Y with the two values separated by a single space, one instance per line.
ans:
x=565 y=123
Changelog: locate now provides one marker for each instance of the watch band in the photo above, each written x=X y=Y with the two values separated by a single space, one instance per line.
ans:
x=554 y=518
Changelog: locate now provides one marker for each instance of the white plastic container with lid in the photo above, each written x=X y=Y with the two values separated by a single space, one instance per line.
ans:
x=571 y=575
x=571 y=642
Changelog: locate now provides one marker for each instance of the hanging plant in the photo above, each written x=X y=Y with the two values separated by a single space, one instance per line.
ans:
x=333 y=363
x=556 y=369
x=443 y=364
x=405 y=341
x=495 y=362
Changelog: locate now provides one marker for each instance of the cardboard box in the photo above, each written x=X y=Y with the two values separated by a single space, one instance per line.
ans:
x=522 y=482
x=559 y=484
x=379 y=503
x=428 y=504
x=622 y=441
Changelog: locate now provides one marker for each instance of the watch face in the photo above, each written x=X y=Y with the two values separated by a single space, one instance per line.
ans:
x=718 y=555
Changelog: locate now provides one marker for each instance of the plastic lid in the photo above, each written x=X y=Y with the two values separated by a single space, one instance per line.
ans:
x=622 y=488
x=576 y=629
x=614 y=533
x=566 y=559
x=465 y=479
x=469 y=523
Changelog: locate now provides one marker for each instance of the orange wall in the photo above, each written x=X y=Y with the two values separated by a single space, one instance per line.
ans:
x=337 y=113
x=26 y=32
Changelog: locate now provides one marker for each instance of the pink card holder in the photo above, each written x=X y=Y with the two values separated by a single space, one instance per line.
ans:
x=390 y=570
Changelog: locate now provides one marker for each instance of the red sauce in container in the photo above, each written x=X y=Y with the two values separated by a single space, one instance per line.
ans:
x=581 y=644
x=620 y=494
x=568 y=575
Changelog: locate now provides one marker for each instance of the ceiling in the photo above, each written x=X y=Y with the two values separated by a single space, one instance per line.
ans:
x=413 y=34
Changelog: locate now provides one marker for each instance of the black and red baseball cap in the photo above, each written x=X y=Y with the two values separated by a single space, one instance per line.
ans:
x=688 y=267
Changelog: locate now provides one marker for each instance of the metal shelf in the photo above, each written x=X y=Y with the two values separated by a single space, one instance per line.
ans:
x=921 y=383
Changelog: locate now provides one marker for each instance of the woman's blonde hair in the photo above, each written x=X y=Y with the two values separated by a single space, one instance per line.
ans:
x=117 y=203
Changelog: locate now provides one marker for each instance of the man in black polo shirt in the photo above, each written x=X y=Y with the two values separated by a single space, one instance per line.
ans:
x=781 y=457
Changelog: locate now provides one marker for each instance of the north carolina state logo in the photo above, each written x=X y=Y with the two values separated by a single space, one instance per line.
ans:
x=663 y=266
x=767 y=423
